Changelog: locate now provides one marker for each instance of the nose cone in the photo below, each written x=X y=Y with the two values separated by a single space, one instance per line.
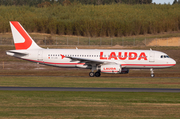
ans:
x=173 y=62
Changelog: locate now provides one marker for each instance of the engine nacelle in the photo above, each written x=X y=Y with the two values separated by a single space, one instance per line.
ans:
x=124 y=71
x=115 y=69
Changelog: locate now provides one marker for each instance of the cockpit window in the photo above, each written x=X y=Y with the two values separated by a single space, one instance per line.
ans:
x=164 y=56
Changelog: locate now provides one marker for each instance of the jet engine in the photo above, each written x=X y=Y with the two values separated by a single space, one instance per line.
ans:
x=113 y=69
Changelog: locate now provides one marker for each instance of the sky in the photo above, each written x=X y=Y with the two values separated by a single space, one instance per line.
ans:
x=163 y=1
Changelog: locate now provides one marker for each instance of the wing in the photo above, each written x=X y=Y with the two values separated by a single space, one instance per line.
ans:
x=92 y=61
x=86 y=60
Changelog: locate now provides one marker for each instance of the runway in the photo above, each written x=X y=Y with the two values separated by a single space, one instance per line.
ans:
x=83 y=76
x=89 y=89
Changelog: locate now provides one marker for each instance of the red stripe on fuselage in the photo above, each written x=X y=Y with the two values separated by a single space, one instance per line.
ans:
x=138 y=65
x=148 y=64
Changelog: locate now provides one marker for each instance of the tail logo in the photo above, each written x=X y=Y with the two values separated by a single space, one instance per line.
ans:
x=27 y=43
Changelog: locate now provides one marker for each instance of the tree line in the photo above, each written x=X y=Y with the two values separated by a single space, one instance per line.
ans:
x=94 y=2
x=114 y=20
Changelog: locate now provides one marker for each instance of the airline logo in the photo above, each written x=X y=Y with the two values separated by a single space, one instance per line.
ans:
x=126 y=55
x=109 y=68
x=62 y=56
x=23 y=41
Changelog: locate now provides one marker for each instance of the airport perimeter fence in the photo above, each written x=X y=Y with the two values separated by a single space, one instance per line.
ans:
x=84 y=41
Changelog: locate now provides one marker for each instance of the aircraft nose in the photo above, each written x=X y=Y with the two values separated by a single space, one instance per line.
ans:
x=173 y=62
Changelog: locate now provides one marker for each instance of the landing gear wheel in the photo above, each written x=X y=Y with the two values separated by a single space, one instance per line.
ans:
x=91 y=74
x=152 y=75
x=97 y=74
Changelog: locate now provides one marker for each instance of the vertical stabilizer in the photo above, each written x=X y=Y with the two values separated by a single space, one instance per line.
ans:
x=22 y=40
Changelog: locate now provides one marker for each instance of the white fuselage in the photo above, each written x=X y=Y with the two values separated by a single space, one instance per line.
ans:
x=125 y=58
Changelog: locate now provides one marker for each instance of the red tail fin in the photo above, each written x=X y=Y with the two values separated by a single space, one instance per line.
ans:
x=21 y=38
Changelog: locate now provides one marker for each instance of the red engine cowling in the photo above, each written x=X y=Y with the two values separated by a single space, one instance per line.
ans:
x=115 y=69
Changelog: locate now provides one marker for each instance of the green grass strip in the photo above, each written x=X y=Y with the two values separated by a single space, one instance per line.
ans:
x=83 y=105
x=108 y=82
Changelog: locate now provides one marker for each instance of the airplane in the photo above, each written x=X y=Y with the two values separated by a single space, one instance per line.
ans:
x=97 y=60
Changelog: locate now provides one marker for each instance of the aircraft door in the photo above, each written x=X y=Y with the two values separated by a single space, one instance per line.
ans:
x=151 y=56
x=40 y=55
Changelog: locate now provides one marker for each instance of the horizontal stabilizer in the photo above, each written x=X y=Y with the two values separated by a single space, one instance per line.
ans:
x=16 y=53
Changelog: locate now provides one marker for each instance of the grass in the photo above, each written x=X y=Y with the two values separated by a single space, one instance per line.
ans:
x=88 y=105
x=102 y=82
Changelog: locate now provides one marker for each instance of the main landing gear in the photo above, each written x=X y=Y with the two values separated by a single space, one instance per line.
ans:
x=152 y=73
x=96 y=74
x=91 y=74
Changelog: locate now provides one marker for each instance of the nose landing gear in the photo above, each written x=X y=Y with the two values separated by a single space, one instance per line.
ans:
x=152 y=73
